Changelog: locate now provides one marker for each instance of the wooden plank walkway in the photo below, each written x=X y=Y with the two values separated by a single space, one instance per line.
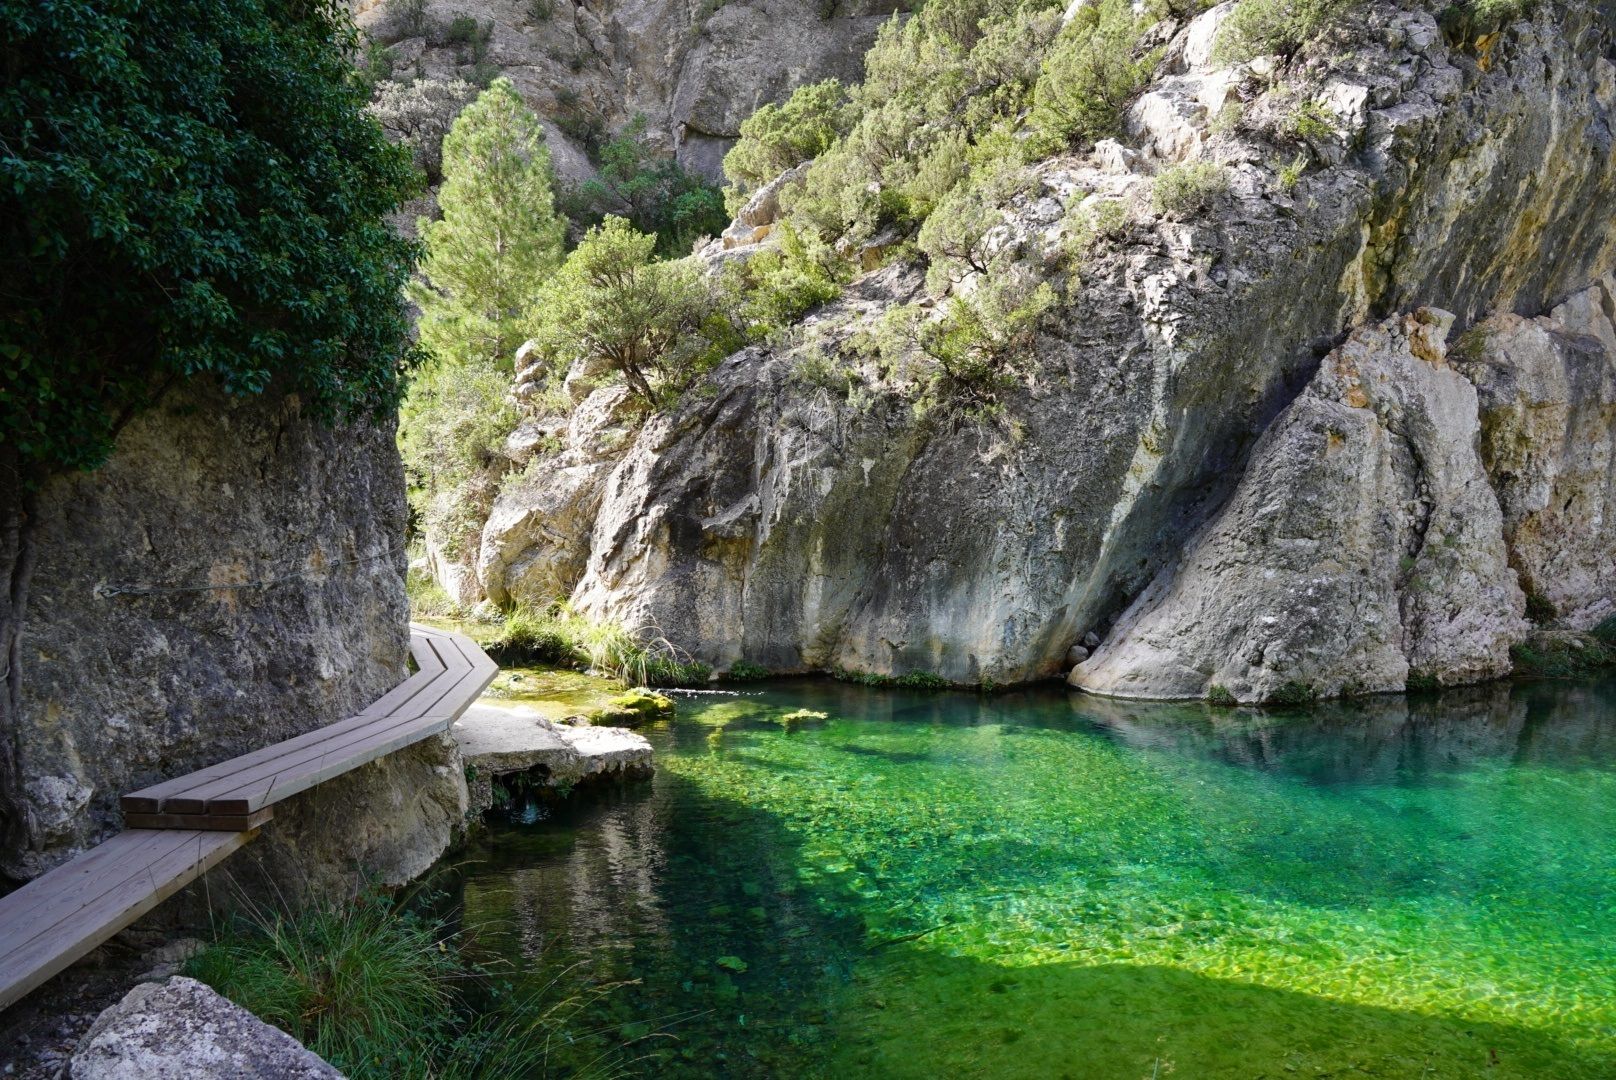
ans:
x=180 y=828
x=451 y=672
x=60 y=916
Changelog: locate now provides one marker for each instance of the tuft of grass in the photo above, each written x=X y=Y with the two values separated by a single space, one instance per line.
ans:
x=380 y=991
x=1181 y=190
x=745 y=671
x=913 y=680
x=561 y=637
x=1220 y=695
x=1293 y=693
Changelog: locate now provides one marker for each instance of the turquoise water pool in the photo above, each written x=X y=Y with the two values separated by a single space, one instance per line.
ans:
x=1045 y=884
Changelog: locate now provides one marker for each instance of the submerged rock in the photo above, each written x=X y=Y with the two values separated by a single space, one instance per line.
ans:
x=180 y=1029
x=1362 y=550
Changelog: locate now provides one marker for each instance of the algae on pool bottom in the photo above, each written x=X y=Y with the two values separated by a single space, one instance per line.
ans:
x=1042 y=885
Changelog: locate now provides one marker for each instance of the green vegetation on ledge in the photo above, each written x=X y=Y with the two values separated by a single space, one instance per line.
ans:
x=380 y=992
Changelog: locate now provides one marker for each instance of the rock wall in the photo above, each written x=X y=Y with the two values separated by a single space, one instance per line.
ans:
x=695 y=69
x=807 y=527
x=231 y=577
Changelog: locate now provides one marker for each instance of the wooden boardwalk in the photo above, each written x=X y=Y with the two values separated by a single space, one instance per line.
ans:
x=180 y=828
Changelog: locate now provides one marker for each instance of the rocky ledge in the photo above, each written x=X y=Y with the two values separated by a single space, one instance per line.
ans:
x=500 y=741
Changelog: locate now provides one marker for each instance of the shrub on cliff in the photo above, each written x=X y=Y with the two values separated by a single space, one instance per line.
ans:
x=779 y=137
x=499 y=239
x=1275 y=27
x=191 y=190
x=610 y=302
x=941 y=96
x=418 y=114
x=1093 y=71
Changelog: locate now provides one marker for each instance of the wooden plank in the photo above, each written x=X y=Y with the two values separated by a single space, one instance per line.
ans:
x=27 y=910
x=300 y=771
x=156 y=798
x=213 y=822
x=251 y=788
x=150 y=799
x=90 y=907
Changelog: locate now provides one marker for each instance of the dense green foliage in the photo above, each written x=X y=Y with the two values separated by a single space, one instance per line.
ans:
x=942 y=94
x=651 y=191
x=780 y=137
x=611 y=304
x=189 y=189
x=1091 y=74
x=499 y=239
x=381 y=992
x=1275 y=27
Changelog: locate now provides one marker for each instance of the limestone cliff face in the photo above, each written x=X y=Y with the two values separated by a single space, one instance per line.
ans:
x=231 y=577
x=694 y=68
x=805 y=526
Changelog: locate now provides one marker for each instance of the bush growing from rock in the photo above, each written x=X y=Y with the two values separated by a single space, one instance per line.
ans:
x=779 y=285
x=647 y=321
x=1181 y=190
x=1274 y=27
x=419 y=113
x=940 y=97
x=651 y=191
x=1091 y=73
x=778 y=137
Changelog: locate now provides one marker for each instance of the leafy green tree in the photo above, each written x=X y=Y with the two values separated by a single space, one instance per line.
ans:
x=652 y=191
x=779 y=137
x=191 y=191
x=610 y=303
x=499 y=238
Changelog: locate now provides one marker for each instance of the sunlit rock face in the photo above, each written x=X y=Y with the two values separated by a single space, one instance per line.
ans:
x=1364 y=546
x=808 y=526
x=233 y=576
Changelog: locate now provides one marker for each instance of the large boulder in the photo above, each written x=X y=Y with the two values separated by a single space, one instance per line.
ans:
x=179 y=1029
x=1362 y=550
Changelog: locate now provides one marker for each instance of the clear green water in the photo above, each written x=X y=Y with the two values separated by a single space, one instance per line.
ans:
x=1043 y=884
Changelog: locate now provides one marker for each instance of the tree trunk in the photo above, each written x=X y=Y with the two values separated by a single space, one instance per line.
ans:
x=19 y=504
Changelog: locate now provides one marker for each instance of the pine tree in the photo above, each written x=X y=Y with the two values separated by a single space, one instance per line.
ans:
x=500 y=237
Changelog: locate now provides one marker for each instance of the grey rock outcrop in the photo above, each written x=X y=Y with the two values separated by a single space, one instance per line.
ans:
x=805 y=524
x=383 y=824
x=693 y=71
x=1548 y=435
x=179 y=1029
x=231 y=577
x=1364 y=546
